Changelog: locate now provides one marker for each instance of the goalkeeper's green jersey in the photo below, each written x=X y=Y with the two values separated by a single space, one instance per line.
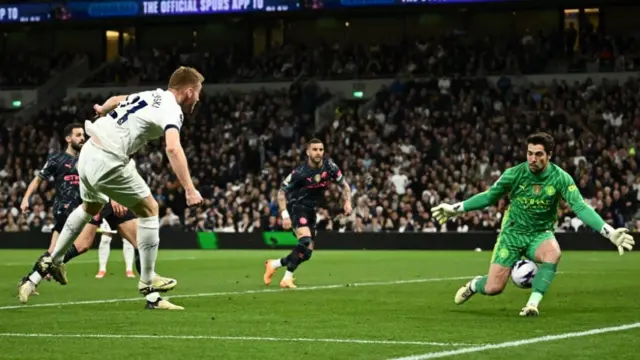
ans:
x=534 y=199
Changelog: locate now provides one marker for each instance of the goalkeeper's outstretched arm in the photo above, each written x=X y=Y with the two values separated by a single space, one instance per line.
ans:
x=490 y=197
x=618 y=237
x=504 y=184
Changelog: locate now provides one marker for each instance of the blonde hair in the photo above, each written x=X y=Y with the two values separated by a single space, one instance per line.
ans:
x=184 y=77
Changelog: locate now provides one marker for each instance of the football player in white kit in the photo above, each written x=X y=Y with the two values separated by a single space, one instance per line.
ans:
x=104 y=249
x=125 y=125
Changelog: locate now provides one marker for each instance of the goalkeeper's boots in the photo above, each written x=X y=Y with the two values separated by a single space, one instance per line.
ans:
x=25 y=290
x=159 y=284
x=529 y=310
x=287 y=283
x=269 y=270
x=58 y=271
x=162 y=304
x=465 y=293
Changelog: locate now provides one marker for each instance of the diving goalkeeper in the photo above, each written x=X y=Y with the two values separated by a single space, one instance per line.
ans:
x=535 y=189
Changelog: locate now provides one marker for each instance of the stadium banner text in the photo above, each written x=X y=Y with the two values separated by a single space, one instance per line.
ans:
x=15 y=99
x=96 y=10
x=368 y=88
x=335 y=4
x=177 y=239
x=25 y=12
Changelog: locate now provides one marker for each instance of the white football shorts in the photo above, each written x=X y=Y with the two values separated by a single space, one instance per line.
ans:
x=105 y=176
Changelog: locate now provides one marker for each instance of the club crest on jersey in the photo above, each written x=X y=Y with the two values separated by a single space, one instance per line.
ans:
x=550 y=190
x=317 y=178
x=536 y=189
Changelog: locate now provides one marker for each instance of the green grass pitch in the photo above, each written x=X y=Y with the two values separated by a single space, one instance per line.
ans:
x=349 y=305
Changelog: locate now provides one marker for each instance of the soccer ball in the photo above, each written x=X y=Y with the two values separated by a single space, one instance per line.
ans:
x=523 y=272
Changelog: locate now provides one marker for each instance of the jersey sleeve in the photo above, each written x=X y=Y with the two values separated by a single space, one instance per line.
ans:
x=49 y=168
x=171 y=119
x=335 y=173
x=572 y=196
x=292 y=181
x=502 y=186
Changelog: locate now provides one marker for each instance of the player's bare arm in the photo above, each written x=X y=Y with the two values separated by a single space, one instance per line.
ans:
x=24 y=206
x=178 y=161
x=346 y=196
x=282 y=206
x=109 y=105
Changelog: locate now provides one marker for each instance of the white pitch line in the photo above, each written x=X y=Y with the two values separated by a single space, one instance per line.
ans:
x=517 y=343
x=245 y=292
x=237 y=338
x=96 y=261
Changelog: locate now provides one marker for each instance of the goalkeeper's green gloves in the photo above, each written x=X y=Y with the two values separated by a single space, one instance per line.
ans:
x=619 y=237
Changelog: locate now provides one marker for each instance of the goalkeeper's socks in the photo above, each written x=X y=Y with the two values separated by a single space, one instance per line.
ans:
x=541 y=282
x=534 y=299
x=479 y=284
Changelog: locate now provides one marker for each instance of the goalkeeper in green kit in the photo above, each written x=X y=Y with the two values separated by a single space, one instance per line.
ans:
x=535 y=189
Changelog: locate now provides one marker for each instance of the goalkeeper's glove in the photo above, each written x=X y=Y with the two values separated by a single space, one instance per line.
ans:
x=619 y=237
x=443 y=212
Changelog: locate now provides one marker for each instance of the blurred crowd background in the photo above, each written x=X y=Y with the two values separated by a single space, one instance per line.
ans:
x=453 y=116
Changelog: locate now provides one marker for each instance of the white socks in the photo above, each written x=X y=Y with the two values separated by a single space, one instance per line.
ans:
x=103 y=252
x=148 y=240
x=276 y=263
x=70 y=231
x=129 y=252
x=288 y=275
x=105 y=248
x=35 y=278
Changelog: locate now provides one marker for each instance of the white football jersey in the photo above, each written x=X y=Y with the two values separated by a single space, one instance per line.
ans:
x=142 y=117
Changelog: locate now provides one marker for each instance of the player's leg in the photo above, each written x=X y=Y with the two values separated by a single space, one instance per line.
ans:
x=26 y=286
x=303 y=222
x=544 y=249
x=128 y=251
x=505 y=253
x=93 y=168
x=127 y=187
x=52 y=244
x=129 y=232
x=81 y=245
x=104 y=248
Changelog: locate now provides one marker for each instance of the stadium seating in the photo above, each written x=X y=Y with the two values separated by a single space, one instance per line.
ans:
x=422 y=141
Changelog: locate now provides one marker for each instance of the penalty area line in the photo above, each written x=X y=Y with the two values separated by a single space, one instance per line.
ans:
x=245 y=292
x=231 y=338
x=518 y=343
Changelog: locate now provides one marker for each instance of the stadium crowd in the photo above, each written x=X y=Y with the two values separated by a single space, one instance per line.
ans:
x=456 y=53
x=422 y=142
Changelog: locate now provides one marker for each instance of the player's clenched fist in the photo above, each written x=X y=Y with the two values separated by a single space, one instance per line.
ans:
x=193 y=197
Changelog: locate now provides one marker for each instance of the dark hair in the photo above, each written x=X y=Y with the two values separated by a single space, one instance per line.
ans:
x=543 y=139
x=68 y=130
x=314 y=141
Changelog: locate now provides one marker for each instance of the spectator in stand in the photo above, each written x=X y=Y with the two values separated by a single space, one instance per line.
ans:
x=421 y=143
